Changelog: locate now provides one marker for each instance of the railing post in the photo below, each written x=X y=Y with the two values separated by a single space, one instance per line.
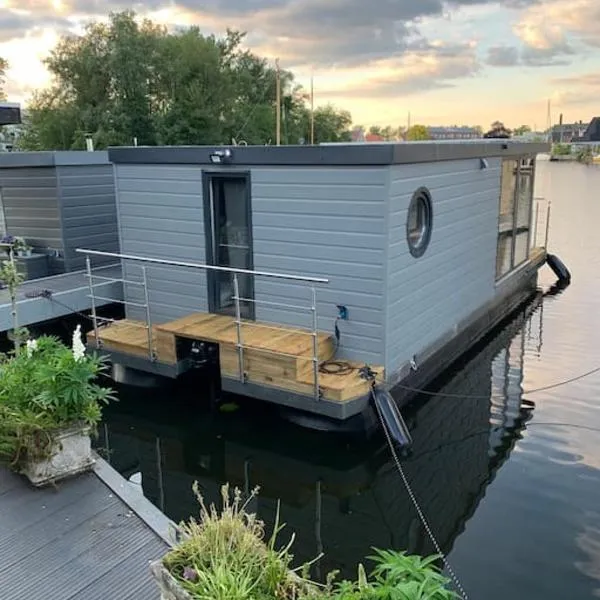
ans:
x=315 y=344
x=238 y=326
x=88 y=268
x=537 y=219
x=547 y=226
x=151 y=352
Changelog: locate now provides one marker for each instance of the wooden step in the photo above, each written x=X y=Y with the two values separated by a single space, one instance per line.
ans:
x=277 y=351
x=131 y=337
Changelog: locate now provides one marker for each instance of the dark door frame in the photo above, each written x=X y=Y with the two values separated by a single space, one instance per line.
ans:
x=208 y=176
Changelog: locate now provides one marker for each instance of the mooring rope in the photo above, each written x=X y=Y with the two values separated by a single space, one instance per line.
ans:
x=417 y=506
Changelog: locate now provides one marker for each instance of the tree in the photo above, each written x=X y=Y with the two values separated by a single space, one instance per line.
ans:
x=3 y=69
x=522 y=130
x=127 y=79
x=417 y=133
x=498 y=130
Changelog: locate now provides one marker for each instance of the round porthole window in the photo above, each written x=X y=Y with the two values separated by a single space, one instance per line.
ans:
x=418 y=224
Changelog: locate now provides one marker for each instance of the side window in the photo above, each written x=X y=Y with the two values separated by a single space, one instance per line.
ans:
x=514 y=220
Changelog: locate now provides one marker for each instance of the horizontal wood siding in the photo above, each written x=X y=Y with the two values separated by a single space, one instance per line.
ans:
x=428 y=296
x=31 y=210
x=161 y=215
x=323 y=222
x=89 y=212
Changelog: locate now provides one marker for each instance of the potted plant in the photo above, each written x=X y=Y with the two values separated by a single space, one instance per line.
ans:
x=21 y=247
x=50 y=403
x=224 y=556
x=7 y=243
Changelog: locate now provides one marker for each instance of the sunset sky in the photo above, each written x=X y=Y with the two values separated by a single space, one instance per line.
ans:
x=461 y=62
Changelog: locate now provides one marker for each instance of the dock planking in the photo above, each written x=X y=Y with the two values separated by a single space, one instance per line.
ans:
x=78 y=540
x=275 y=356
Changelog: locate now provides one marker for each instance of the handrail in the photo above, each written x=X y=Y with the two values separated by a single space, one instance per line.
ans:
x=240 y=347
x=179 y=263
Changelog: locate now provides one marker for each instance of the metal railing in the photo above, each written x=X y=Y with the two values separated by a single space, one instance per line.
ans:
x=237 y=298
x=541 y=223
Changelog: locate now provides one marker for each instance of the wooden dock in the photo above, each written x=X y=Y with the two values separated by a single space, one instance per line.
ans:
x=274 y=356
x=88 y=538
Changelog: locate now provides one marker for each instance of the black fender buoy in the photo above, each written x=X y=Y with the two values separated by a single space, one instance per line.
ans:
x=559 y=268
x=392 y=419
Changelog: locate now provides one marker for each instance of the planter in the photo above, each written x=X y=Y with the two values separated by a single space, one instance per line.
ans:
x=71 y=454
x=167 y=584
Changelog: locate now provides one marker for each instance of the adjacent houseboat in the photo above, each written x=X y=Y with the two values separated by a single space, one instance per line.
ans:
x=297 y=270
x=55 y=202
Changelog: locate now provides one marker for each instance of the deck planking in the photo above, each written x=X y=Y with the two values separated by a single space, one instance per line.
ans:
x=275 y=356
x=78 y=540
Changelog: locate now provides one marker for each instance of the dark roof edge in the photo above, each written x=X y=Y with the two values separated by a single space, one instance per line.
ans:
x=66 y=158
x=351 y=154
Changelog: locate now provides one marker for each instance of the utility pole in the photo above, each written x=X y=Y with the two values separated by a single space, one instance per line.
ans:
x=278 y=79
x=408 y=122
x=312 y=108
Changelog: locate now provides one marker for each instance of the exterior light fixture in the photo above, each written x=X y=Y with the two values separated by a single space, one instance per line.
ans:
x=483 y=163
x=220 y=157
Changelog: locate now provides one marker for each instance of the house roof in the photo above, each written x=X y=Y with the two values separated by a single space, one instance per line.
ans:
x=53 y=159
x=338 y=154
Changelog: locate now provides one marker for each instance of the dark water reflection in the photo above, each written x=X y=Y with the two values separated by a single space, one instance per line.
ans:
x=510 y=485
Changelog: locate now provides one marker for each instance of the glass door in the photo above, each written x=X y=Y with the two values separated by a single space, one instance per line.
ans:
x=229 y=237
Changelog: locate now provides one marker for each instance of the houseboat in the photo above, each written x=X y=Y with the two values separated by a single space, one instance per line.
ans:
x=299 y=272
x=55 y=202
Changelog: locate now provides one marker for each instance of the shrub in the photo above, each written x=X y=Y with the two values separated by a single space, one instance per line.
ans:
x=224 y=556
x=45 y=388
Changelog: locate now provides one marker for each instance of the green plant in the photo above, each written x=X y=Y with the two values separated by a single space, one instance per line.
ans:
x=396 y=576
x=225 y=556
x=10 y=276
x=20 y=245
x=47 y=388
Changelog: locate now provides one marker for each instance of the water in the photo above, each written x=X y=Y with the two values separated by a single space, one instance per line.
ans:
x=510 y=481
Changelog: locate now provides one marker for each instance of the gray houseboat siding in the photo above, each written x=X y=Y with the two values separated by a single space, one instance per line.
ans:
x=161 y=215
x=58 y=201
x=427 y=297
x=88 y=211
x=321 y=221
x=29 y=196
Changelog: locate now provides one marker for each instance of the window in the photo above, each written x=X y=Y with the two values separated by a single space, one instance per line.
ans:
x=516 y=198
x=419 y=221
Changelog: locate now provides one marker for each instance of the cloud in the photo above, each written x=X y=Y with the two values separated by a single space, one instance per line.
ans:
x=432 y=67
x=503 y=56
x=576 y=90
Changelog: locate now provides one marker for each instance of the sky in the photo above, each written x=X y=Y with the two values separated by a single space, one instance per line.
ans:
x=444 y=62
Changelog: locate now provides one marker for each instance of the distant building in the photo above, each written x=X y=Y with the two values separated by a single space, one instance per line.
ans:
x=591 y=133
x=453 y=133
x=568 y=132
x=373 y=137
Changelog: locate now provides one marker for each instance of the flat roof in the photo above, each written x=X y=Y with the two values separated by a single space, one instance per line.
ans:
x=342 y=154
x=59 y=158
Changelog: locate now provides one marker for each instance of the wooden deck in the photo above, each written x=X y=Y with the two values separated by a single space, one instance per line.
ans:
x=274 y=356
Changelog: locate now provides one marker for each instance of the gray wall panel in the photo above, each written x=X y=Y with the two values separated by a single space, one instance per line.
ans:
x=31 y=209
x=89 y=212
x=428 y=296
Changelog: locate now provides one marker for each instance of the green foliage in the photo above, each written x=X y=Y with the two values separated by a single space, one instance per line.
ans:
x=44 y=389
x=128 y=79
x=522 y=130
x=561 y=149
x=224 y=556
x=417 y=133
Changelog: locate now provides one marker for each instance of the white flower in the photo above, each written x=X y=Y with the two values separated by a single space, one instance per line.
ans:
x=78 y=346
x=31 y=347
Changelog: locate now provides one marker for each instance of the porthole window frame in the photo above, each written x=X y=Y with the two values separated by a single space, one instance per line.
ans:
x=421 y=194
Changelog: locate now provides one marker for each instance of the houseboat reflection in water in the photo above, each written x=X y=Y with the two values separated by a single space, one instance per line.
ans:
x=340 y=495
